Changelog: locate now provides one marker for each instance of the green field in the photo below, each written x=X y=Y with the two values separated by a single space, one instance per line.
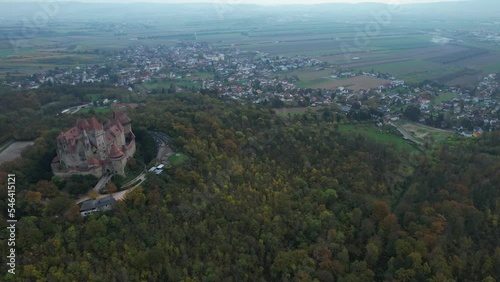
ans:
x=201 y=75
x=93 y=97
x=494 y=67
x=177 y=159
x=384 y=135
x=309 y=77
x=404 y=67
x=33 y=62
x=401 y=48
x=414 y=71
x=443 y=97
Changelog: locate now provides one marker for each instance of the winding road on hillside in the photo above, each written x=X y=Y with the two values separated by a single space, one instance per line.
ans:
x=121 y=194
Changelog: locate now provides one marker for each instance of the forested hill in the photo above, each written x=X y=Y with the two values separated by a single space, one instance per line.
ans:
x=265 y=200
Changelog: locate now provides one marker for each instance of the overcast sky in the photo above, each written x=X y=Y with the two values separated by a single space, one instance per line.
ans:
x=232 y=2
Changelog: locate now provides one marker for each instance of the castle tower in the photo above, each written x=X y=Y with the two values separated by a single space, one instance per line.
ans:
x=99 y=138
x=118 y=160
x=124 y=120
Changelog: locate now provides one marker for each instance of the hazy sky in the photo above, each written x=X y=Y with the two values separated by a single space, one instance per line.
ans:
x=232 y=2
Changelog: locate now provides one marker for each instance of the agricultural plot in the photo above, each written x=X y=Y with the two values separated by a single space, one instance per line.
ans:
x=31 y=62
x=355 y=83
x=303 y=47
x=201 y=75
x=449 y=64
x=310 y=77
x=322 y=79
x=492 y=67
x=462 y=77
x=458 y=56
x=414 y=71
x=444 y=97
x=401 y=48
x=405 y=67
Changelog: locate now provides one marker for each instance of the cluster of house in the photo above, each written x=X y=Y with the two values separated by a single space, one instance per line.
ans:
x=147 y=63
x=486 y=36
x=469 y=112
x=252 y=76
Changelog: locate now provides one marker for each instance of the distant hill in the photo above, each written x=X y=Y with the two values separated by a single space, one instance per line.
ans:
x=85 y=11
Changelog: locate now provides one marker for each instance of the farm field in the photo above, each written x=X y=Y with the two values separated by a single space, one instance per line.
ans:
x=357 y=83
x=404 y=67
x=405 y=48
x=449 y=64
x=464 y=76
x=491 y=67
x=32 y=62
x=309 y=77
x=322 y=79
x=200 y=75
x=414 y=71
x=444 y=97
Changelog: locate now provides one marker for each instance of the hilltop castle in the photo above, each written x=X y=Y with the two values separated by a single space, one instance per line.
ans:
x=91 y=148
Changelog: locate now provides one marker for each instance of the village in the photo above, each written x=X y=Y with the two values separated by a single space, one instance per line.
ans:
x=260 y=78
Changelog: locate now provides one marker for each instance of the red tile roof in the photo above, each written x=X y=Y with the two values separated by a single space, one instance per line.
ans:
x=115 y=152
x=69 y=135
x=93 y=162
x=83 y=124
x=95 y=124
x=121 y=117
x=115 y=131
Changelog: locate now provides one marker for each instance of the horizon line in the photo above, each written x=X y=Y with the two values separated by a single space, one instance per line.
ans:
x=243 y=2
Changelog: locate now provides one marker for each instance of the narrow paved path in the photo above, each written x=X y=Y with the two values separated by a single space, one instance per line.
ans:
x=121 y=194
x=102 y=182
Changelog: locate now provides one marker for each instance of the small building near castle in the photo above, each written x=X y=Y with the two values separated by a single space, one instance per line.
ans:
x=93 y=148
x=92 y=206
